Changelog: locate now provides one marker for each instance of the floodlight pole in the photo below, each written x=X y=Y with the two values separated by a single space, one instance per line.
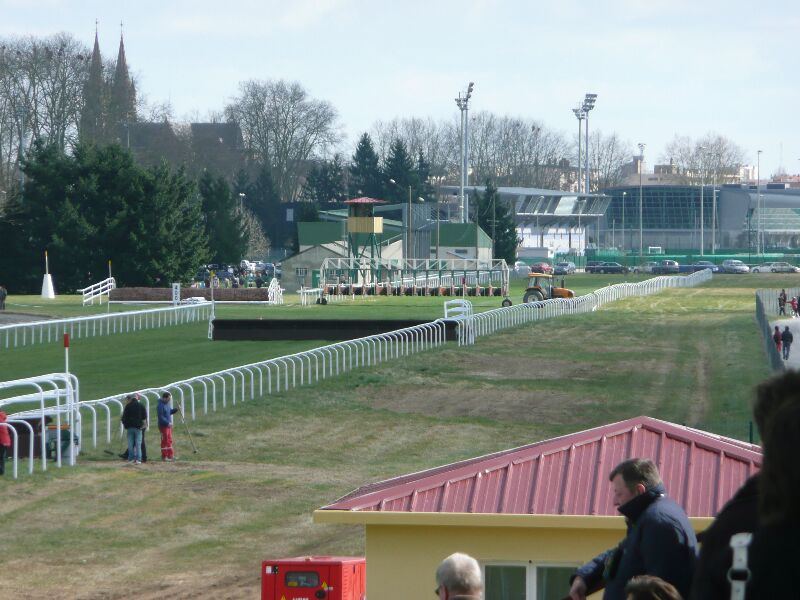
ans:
x=588 y=105
x=580 y=115
x=463 y=105
x=702 y=182
x=641 y=168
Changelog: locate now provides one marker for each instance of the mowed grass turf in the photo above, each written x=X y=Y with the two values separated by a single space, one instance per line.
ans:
x=199 y=528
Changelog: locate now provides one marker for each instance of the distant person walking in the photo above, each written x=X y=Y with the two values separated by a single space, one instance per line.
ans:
x=134 y=420
x=777 y=338
x=782 y=303
x=165 y=426
x=794 y=306
x=5 y=442
x=3 y=296
x=787 y=338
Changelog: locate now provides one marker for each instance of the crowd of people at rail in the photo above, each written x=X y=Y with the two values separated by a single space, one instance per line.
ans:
x=748 y=552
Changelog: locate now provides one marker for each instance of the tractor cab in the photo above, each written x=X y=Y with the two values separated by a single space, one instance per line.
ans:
x=540 y=287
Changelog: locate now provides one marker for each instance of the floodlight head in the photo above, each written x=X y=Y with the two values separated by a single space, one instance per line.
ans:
x=578 y=112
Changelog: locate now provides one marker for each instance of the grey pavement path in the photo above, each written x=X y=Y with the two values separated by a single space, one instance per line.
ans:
x=794 y=327
x=10 y=318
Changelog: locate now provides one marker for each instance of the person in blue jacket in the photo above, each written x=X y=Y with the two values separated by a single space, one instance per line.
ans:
x=660 y=540
x=165 y=426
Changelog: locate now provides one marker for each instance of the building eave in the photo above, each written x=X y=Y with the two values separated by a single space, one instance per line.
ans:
x=431 y=519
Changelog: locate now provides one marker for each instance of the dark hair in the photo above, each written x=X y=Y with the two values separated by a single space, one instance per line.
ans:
x=772 y=394
x=648 y=587
x=166 y=395
x=636 y=471
x=779 y=482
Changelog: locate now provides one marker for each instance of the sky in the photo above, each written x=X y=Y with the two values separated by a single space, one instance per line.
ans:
x=660 y=68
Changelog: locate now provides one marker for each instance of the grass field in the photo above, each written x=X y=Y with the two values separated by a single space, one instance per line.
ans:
x=199 y=528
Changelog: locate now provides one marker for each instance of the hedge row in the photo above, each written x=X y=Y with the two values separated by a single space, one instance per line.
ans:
x=130 y=294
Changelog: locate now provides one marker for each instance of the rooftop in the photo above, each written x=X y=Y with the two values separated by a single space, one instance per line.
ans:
x=568 y=475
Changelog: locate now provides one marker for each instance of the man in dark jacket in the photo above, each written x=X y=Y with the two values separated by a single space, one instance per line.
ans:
x=134 y=420
x=786 y=338
x=660 y=540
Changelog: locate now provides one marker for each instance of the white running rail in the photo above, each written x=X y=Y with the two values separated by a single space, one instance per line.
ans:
x=98 y=290
x=41 y=332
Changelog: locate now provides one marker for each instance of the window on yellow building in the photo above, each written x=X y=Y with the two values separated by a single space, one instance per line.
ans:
x=521 y=581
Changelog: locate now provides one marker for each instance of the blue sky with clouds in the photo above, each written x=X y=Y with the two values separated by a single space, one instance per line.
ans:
x=659 y=68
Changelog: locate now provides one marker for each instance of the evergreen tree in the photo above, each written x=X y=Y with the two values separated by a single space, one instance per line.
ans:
x=227 y=236
x=423 y=175
x=263 y=200
x=366 y=178
x=96 y=206
x=325 y=183
x=495 y=218
x=400 y=168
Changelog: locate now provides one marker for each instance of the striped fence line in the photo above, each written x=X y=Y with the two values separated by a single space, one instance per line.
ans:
x=42 y=332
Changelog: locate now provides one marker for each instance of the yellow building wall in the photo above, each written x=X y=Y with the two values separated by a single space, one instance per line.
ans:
x=402 y=560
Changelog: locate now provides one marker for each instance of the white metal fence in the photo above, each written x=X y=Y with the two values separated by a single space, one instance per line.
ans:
x=98 y=290
x=42 y=332
x=488 y=322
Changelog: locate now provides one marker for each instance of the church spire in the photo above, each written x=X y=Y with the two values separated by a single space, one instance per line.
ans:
x=122 y=107
x=92 y=122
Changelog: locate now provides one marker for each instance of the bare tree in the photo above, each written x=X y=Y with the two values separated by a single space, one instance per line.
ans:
x=284 y=128
x=607 y=155
x=709 y=157
x=511 y=151
x=425 y=136
x=41 y=84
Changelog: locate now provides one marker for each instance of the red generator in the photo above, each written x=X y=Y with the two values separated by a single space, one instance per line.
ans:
x=314 y=578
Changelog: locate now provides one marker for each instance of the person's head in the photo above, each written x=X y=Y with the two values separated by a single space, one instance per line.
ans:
x=459 y=576
x=779 y=485
x=772 y=394
x=632 y=478
x=787 y=328
x=648 y=587
x=166 y=397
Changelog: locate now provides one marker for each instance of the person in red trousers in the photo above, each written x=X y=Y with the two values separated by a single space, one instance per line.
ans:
x=165 y=426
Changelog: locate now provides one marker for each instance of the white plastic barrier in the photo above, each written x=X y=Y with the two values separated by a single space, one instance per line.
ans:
x=487 y=323
x=57 y=396
x=39 y=332
x=98 y=290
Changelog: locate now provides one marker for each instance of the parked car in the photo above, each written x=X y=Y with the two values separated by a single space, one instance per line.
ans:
x=704 y=264
x=734 y=266
x=775 y=267
x=666 y=267
x=542 y=267
x=521 y=268
x=645 y=267
x=564 y=268
x=592 y=266
x=611 y=267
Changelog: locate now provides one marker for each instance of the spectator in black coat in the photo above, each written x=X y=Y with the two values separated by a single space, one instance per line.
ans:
x=740 y=514
x=774 y=552
x=786 y=338
x=134 y=420
x=660 y=540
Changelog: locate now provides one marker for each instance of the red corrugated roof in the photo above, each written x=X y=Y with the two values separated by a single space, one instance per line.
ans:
x=568 y=475
x=364 y=200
